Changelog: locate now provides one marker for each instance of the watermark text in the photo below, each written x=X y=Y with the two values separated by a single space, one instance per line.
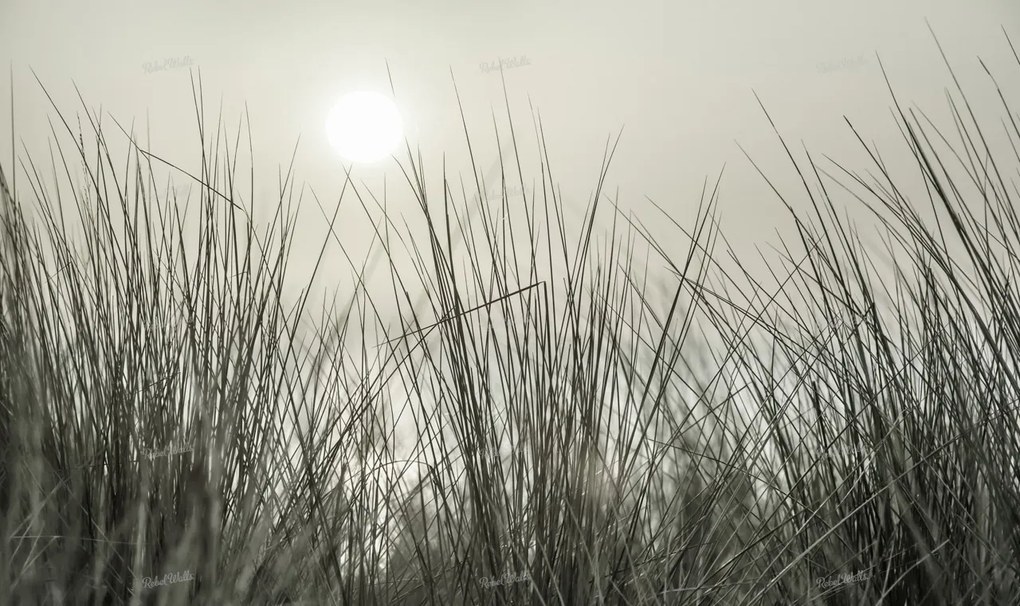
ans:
x=504 y=63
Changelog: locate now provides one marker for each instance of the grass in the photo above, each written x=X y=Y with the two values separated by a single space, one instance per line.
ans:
x=549 y=422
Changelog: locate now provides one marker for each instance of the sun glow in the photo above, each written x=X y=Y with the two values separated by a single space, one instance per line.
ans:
x=365 y=127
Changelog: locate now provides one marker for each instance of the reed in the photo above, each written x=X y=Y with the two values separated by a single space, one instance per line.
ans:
x=581 y=430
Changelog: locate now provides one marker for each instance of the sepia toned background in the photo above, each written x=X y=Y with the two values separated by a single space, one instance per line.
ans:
x=675 y=80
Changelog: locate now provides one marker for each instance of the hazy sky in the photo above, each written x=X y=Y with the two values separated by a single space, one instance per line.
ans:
x=678 y=77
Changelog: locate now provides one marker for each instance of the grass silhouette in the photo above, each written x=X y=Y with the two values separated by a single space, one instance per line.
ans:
x=583 y=433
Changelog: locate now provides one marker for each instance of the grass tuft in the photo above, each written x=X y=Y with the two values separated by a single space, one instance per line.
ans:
x=546 y=419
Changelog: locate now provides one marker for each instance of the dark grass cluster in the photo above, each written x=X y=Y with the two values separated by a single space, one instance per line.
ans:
x=543 y=411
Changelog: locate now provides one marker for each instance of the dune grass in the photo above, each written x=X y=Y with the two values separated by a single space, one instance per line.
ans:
x=550 y=419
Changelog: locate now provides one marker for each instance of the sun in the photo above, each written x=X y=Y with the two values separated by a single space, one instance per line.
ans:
x=365 y=126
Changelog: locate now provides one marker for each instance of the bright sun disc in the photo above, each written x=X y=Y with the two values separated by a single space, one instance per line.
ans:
x=364 y=127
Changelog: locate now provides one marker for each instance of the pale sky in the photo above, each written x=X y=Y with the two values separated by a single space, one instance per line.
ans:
x=677 y=77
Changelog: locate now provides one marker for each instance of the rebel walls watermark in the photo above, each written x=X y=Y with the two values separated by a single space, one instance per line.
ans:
x=842 y=579
x=512 y=191
x=166 y=452
x=506 y=579
x=844 y=64
x=504 y=63
x=168 y=63
x=167 y=579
